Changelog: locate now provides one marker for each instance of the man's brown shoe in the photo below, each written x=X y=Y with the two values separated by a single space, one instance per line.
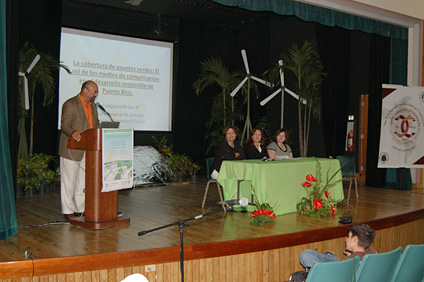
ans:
x=68 y=216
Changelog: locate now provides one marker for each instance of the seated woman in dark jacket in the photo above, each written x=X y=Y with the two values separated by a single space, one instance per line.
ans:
x=227 y=149
x=255 y=146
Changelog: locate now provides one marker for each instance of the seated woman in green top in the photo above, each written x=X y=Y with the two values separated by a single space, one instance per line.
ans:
x=279 y=149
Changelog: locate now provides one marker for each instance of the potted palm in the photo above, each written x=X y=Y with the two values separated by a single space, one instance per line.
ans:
x=304 y=62
x=225 y=110
x=41 y=75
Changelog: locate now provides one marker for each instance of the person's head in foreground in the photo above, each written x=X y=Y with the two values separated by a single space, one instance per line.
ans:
x=360 y=236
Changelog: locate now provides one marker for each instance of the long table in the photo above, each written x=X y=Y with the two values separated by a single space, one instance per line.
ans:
x=279 y=182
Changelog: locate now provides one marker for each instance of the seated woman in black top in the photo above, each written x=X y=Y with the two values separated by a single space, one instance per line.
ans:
x=255 y=146
x=227 y=149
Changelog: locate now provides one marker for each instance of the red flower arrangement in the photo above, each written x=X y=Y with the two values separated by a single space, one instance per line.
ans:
x=318 y=201
x=261 y=216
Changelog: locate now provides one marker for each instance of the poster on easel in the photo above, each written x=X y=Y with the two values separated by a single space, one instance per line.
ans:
x=118 y=159
x=402 y=132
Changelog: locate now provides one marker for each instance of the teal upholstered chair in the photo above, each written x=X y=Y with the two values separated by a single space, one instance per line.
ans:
x=209 y=164
x=338 y=271
x=347 y=163
x=378 y=267
x=411 y=265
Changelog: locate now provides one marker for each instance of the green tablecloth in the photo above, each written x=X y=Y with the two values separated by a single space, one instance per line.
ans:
x=278 y=183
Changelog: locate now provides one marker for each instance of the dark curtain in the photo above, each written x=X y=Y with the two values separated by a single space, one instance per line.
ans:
x=8 y=222
x=334 y=49
x=379 y=74
x=341 y=53
x=12 y=51
x=398 y=61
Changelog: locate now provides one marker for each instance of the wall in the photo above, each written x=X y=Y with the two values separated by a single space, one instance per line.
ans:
x=410 y=8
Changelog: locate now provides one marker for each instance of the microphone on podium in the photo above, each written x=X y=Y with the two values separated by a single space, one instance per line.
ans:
x=104 y=110
x=242 y=202
x=101 y=107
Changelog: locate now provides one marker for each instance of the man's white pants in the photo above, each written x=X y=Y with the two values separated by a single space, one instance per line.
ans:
x=72 y=185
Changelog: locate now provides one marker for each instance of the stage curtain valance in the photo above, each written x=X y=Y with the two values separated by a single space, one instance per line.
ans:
x=8 y=223
x=321 y=15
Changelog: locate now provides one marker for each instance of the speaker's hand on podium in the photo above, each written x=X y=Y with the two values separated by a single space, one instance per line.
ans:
x=76 y=135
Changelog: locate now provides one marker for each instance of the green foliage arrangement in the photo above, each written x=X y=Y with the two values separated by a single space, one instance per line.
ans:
x=225 y=110
x=34 y=171
x=180 y=164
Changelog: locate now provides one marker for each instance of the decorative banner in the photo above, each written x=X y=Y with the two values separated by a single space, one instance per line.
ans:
x=117 y=159
x=402 y=133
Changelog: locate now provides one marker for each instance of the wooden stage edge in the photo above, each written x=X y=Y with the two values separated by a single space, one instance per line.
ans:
x=263 y=258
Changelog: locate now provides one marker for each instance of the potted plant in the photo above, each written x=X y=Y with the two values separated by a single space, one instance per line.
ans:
x=34 y=173
x=181 y=165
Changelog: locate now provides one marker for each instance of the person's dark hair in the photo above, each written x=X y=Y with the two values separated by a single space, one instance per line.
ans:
x=278 y=132
x=224 y=132
x=365 y=234
x=250 y=141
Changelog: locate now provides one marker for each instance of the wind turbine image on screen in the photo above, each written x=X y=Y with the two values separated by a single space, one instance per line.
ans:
x=282 y=89
x=25 y=77
x=248 y=124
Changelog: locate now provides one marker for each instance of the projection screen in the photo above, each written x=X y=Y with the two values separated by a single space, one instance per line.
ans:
x=134 y=77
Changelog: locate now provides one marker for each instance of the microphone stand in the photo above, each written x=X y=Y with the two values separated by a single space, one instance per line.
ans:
x=181 y=224
x=109 y=116
x=104 y=110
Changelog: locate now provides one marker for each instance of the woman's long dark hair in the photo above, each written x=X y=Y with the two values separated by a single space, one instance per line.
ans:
x=250 y=141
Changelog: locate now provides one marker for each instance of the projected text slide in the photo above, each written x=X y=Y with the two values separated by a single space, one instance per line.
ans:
x=133 y=75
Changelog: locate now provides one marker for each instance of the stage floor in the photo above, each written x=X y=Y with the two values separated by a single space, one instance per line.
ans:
x=43 y=232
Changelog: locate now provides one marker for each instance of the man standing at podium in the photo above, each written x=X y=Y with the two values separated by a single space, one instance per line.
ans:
x=79 y=113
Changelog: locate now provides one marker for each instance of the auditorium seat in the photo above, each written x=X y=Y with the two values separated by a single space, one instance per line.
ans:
x=378 y=267
x=347 y=163
x=209 y=164
x=337 y=271
x=411 y=265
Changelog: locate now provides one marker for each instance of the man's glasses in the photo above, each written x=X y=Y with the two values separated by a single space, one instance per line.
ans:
x=94 y=91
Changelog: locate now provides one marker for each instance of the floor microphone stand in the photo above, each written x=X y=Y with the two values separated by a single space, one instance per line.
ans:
x=181 y=224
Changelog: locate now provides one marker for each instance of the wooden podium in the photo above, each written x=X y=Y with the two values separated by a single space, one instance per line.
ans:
x=101 y=209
